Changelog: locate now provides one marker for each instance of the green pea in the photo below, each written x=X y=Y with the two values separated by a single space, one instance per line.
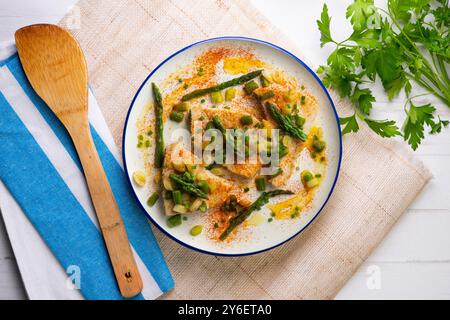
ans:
x=176 y=116
x=196 y=230
x=319 y=145
x=307 y=176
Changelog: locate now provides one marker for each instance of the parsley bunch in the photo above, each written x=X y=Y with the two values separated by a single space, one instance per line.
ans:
x=408 y=42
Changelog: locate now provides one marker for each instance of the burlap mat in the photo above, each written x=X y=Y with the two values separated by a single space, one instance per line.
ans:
x=124 y=40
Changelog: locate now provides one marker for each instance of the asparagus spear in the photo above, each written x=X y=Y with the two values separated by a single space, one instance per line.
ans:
x=159 y=136
x=230 y=83
x=188 y=186
x=262 y=200
x=285 y=122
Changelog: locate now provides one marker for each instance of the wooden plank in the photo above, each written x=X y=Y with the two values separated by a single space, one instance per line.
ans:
x=436 y=193
x=409 y=280
x=419 y=236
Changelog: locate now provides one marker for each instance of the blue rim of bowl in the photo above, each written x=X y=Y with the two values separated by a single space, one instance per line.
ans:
x=276 y=48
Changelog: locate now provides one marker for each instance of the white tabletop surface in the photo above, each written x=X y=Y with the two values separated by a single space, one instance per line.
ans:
x=413 y=262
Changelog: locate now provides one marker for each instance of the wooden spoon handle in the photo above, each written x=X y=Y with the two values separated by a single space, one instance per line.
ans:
x=110 y=221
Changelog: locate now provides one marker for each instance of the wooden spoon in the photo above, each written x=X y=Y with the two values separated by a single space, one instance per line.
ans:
x=56 y=68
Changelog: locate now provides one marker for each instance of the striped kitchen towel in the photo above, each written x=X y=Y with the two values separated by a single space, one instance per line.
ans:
x=40 y=168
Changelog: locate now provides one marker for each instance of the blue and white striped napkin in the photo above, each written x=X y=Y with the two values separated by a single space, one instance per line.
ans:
x=40 y=169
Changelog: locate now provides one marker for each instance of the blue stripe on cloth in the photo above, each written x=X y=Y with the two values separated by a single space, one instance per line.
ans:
x=52 y=208
x=136 y=223
x=15 y=164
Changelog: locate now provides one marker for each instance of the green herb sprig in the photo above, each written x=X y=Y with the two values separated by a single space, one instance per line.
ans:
x=407 y=43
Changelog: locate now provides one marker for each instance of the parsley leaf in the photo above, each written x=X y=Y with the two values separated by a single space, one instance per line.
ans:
x=324 y=26
x=437 y=126
x=341 y=59
x=384 y=128
x=363 y=98
x=385 y=62
x=351 y=125
x=369 y=38
x=418 y=117
x=358 y=12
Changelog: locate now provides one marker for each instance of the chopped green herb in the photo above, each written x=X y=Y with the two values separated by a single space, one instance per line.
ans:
x=182 y=107
x=246 y=120
x=177 y=197
x=260 y=183
x=216 y=97
x=318 y=144
x=174 y=221
x=264 y=81
x=266 y=95
x=303 y=100
x=250 y=86
x=203 y=185
x=152 y=199
x=203 y=207
x=230 y=93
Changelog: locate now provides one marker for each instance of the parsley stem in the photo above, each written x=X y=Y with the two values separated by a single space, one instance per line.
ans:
x=413 y=97
x=425 y=85
x=443 y=68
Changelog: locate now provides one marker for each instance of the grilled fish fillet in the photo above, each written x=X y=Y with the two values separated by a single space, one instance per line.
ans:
x=230 y=120
x=222 y=188
x=308 y=110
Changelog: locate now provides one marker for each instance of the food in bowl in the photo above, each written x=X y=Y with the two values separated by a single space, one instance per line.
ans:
x=232 y=100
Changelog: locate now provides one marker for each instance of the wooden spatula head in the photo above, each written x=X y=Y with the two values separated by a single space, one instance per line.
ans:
x=55 y=66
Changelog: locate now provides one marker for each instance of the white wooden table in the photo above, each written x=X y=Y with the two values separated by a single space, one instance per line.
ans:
x=413 y=262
